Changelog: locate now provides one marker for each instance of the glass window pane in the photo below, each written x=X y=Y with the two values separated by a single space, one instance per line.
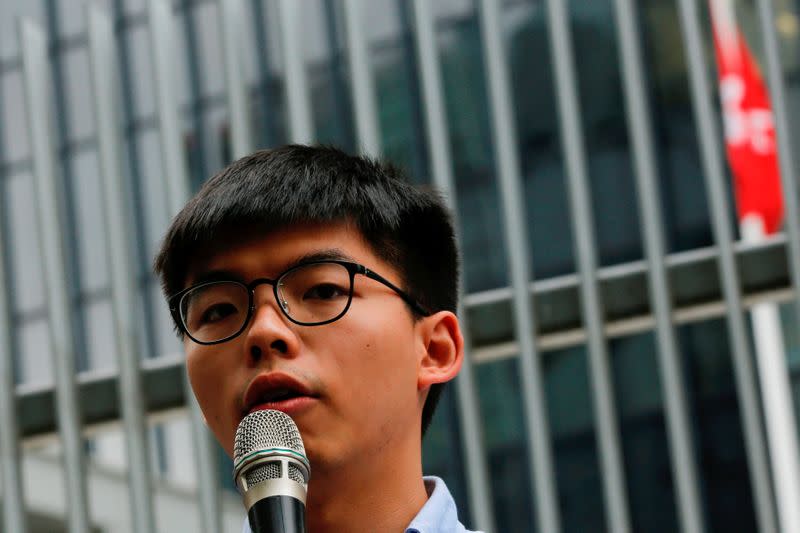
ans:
x=330 y=88
x=383 y=21
x=101 y=335
x=71 y=18
x=442 y=451
x=145 y=322
x=682 y=188
x=452 y=8
x=166 y=340
x=466 y=108
x=504 y=429
x=153 y=189
x=141 y=75
x=181 y=466
x=78 y=97
x=313 y=16
x=617 y=229
x=134 y=7
x=214 y=123
x=16 y=145
x=88 y=194
x=715 y=410
x=400 y=113
x=26 y=261
x=269 y=109
x=180 y=61
x=648 y=466
x=36 y=365
x=605 y=131
x=208 y=54
x=788 y=25
x=572 y=426
x=250 y=51
x=9 y=42
x=541 y=156
x=108 y=449
x=791 y=339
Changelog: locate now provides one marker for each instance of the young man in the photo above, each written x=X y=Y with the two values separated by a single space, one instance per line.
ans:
x=309 y=281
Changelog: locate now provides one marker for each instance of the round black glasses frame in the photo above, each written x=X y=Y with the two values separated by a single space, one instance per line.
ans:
x=352 y=268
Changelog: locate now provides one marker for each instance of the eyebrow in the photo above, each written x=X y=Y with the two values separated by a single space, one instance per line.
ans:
x=330 y=254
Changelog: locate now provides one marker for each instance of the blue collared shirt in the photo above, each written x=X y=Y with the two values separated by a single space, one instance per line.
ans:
x=438 y=515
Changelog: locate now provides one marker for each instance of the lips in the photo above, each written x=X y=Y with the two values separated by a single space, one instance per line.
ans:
x=278 y=391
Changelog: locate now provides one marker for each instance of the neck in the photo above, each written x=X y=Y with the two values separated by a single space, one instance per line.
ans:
x=367 y=495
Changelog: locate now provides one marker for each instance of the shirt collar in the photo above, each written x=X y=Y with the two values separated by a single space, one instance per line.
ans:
x=439 y=514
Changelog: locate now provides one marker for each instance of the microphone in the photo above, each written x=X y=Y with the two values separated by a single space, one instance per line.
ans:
x=271 y=471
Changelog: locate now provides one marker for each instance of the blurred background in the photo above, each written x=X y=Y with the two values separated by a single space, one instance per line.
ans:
x=614 y=381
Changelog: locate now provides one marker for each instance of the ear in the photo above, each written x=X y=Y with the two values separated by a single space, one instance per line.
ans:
x=441 y=351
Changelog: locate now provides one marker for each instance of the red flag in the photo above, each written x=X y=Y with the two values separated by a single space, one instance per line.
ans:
x=749 y=125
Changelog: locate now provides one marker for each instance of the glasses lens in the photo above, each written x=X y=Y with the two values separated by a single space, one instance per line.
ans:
x=315 y=293
x=214 y=311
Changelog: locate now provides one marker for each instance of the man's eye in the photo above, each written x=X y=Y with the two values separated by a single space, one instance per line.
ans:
x=217 y=312
x=324 y=291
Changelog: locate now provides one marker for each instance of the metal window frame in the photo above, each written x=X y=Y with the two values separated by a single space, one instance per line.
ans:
x=587 y=307
x=176 y=177
x=35 y=66
x=103 y=51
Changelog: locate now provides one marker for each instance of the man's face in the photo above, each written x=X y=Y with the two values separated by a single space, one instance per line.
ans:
x=358 y=376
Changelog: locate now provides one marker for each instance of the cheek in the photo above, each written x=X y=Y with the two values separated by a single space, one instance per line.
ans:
x=384 y=370
x=212 y=385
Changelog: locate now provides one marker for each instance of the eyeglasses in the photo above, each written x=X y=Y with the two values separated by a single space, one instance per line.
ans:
x=310 y=294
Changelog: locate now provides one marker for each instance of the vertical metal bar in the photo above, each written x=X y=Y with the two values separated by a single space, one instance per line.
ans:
x=613 y=473
x=196 y=149
x=640 y=132
x=341 y=109
x=134 y=164
x=410 y=63
x=177 y=184
x=269 y=132
x=62 y=126
x=301 y=127
x=173 y=149
x=785 y=447
x=35 y=66
x=14 y=518
x=232 y=16
x=364 y=104
x=103 y=54
x=515 y=235
x=715 y=179
x=478 y=480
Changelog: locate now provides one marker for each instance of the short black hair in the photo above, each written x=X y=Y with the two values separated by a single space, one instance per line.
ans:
x=408 y=227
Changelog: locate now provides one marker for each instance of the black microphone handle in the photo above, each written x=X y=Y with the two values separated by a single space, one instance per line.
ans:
x=277 y=514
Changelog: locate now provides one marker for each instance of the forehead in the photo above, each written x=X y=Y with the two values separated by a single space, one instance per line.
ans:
x=259 y=254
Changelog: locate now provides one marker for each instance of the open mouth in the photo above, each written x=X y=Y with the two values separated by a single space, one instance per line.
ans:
x=276 y=391
x=279 y=395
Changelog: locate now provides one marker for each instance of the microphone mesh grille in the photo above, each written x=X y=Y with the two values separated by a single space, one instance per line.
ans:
x=266 y=429
x=263 y=473
x=296 y=475
x=273 y=471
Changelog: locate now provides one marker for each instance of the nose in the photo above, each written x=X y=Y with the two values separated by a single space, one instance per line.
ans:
x=269 y=334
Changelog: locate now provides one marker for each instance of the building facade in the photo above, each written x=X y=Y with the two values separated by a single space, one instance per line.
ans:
x=566 y=418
